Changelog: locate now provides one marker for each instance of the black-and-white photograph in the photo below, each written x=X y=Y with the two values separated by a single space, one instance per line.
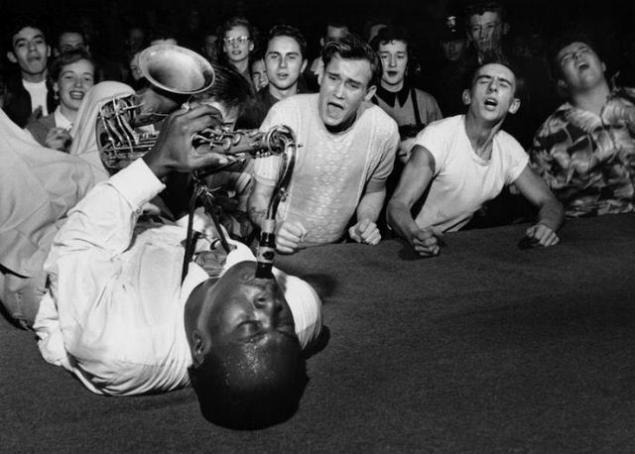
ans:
x=317 y=226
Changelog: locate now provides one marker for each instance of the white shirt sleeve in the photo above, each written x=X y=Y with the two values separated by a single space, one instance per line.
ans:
x=83 y=263
x=433 y=139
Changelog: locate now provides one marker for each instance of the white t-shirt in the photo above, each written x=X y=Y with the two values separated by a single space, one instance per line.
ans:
x=332 y=171
x=38 y=92
x=462 y=180
x=114 y=313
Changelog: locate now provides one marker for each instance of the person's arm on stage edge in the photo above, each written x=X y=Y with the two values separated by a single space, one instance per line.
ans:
x=550 y=212
x=415 y=179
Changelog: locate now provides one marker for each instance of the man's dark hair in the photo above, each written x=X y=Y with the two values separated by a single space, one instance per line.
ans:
x=21 y=22
x=163 y=32
x=495 y=58
x=250 y=386
x=67 y=58
x=70 y=29
x=291 y=32
x=335 y=22
x=230 y=88
x=351 y=47
x=479 y=7
x=388 y=34
x=563 y=40
x=235 y=22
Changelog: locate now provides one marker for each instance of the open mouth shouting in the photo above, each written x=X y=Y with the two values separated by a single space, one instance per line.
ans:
x=490 y=103
x=334 y=109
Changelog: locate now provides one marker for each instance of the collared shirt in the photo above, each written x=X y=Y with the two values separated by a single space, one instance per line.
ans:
x=114 y=310
x=410 y=107
x=38 y=91
x=587 y=159
x=61 y=121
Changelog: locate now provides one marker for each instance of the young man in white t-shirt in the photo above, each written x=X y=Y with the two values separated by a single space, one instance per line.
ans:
x=29 y=93
x=346 y=153
x=463 y=161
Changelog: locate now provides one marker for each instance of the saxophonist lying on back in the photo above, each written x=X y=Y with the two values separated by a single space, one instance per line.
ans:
x=114 y=310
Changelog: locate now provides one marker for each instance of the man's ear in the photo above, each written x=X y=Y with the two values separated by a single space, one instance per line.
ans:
x=56 y=87
x=322 y=42
x=370 y=93
x=251 y=46
x=303 y=67
x=514 y=106
x=466 y=97
x=603 y=66
x=505 y=28
x=48 y=51
x=11 y=56
x=199 y=347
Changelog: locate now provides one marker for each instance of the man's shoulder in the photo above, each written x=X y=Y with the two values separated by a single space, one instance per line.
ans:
x=377 y=118
x=300 y=103
x=557 y=120
x=507 y=141
x=449 y=125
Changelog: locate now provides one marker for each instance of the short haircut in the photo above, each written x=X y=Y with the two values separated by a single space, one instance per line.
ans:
x=21 y=22
x=351 y=47
x=246 y=386
x=230 y=88
x=562 y=41
x=70 y=29
x=291 y=32
x=388 y=34
x=478 y=7
x=335 y=22
x=162 y=32
x=67 y=58
x=494 y=58
x=232 y=22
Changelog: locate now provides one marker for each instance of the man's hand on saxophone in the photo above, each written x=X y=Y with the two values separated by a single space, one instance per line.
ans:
x=174 y=150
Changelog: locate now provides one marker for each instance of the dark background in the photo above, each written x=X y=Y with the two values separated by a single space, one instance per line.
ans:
x=612 y=20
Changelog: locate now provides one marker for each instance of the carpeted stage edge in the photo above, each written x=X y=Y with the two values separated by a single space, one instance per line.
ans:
x=486 y=348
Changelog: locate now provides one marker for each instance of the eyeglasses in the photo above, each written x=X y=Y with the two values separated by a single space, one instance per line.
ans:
x=236 y=40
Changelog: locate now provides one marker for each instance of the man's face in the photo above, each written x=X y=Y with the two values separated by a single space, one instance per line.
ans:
x=492 y=95
x=74 y=81
x=237 y=44
x=209 y=47
x=71 y=41
x=335 y=33
x=136 y=36
x=394 y=60
x=244 y=309
x=344 y=85
x=259 y=74
x=453 y=49
x=284 y=62
x=486 y=30
x=580 y=66
x=135 y=71
x=30 y=51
